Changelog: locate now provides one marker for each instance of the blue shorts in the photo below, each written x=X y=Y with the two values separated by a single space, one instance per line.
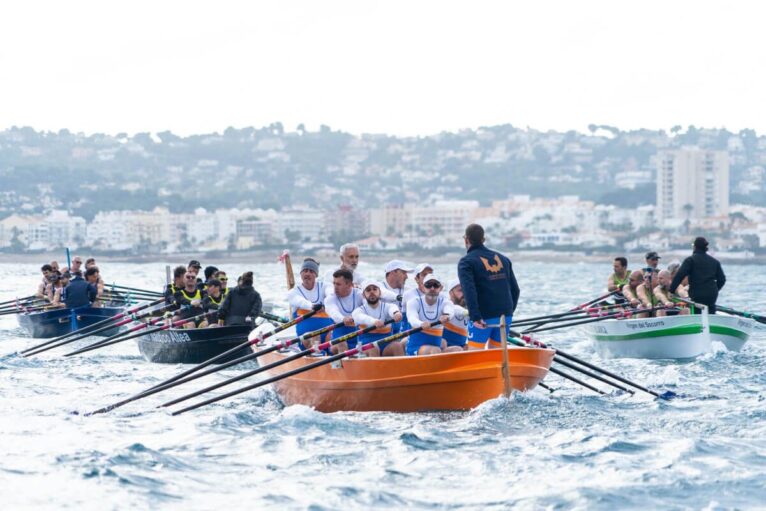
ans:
x=454 y=339
x=479 y=338
x=418 y=339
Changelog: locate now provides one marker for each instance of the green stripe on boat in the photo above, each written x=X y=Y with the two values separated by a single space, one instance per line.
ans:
x=666 y=332
x=731 y=332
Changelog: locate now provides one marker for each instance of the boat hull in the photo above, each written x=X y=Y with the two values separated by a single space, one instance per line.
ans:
x=193 y=346
x=732 y=331
x=57 y=322
x=670 y=337
x=449 y=381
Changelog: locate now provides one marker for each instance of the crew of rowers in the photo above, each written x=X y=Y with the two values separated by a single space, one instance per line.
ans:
x=389 y=305
x=71 y=287
x=649 y=288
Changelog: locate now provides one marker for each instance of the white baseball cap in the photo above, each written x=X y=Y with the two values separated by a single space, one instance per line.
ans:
x=370 y=282
x=452 y=284
x=422 y=266
x=431 y=277
x=397 y=264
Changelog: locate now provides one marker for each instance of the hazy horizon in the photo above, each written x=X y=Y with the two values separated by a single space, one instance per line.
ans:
x=396 y=68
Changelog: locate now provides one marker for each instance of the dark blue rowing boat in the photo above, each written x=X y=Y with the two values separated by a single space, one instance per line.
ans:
x=193 y=346
x=57 y=322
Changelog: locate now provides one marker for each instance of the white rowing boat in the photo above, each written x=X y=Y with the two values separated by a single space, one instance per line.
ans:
x=669 y=337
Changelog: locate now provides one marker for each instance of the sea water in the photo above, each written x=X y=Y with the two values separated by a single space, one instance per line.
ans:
x=705 y=449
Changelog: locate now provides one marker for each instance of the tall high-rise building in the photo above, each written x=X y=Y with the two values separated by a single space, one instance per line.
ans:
x=692 y=184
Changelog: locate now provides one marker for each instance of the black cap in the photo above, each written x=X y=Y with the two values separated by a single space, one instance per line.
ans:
x=194 y=263
x=652 y=255
x=700 y=243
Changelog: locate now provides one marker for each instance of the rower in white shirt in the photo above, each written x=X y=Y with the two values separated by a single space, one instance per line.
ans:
x=340 y=306
x=421 y=310
x=374 y=312
x=307 y=295
x=393 y=286
x=456 y=329
x=349 y=260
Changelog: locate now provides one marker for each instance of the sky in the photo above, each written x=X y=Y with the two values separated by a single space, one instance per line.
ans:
x=396 y=67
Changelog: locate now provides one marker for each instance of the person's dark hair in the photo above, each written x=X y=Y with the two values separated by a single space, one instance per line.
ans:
x=700 y=244
x=214 y=282
x=210 y=271
x=90 y=260
x=474 y=233
x=91 y=271
x=247 y=278
x=343 y=273
x=179 y=271
x=622 y=260
x=46 y=267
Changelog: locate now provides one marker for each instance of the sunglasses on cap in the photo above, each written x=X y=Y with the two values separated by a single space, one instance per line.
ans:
x=432 y=285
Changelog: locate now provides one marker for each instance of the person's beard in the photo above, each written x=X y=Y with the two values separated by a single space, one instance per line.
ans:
x=373 y=300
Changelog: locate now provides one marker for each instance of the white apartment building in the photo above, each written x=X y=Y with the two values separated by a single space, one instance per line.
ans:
x=692 y=184
x=308 y=223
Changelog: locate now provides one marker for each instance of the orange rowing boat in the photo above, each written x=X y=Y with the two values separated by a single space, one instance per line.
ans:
x=449 y=381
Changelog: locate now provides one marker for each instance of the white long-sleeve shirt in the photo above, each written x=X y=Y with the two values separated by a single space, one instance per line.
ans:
x=367 y=315
x=301 y=298
x=420 y=312
x=339 y=308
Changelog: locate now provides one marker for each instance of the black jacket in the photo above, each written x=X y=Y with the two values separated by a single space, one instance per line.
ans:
x=240 y=302
x=705 y=274
x=488 y=282
x=183 y=300
x=79 y=293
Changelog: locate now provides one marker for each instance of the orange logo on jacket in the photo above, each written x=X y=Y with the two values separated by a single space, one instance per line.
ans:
x=493 y=268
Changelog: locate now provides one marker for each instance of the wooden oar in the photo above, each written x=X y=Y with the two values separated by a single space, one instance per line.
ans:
x=90 y=330
x=321 y=362
x=173 y=324
x=15 y=300
x=583 y=305
x=304 y=353
x=125 y=321
x=209 y=361
x=534 y=342
x=280 y=345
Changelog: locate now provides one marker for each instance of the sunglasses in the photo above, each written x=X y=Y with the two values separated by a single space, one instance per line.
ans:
x=190 y=278
x=432 y=285
x=223 y=279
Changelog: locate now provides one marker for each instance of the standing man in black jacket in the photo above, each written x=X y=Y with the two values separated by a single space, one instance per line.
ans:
x=241 y=303
x=705 y=274
x=489 y=288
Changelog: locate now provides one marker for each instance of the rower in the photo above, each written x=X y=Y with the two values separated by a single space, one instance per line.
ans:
x=421 y=272
x=90 y=262
x=392 y=290
x=189 y=300
x=652 y=260
x=194 y=267
x=178 y=283
x=55 y=290
x=55 y=266
x=76 y=266
x=242 y=304
x=662 y=293
x=307 y=295
x=683 y=288
x=620 y=276
x=456 y=329
x=645 y=292
x=490 y=289
x=629 y=289
x=78 y=292
x=209 y=273
x=340 y=306
x=92 y=277
x=374 y=312
x=44 y=285
x=430 y=306
x=212 y=302
x=220 y=275
x=349 y=260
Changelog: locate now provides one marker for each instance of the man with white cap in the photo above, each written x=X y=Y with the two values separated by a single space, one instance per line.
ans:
x=456 y=329
x=349 y=260
x=430 y=306
x=392 y=290
x=374 y=312
x=307 y=295
x=421 y=272
x=340 y=306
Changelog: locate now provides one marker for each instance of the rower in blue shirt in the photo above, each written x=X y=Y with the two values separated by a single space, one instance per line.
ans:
x=489 y=287
x=79 y=293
